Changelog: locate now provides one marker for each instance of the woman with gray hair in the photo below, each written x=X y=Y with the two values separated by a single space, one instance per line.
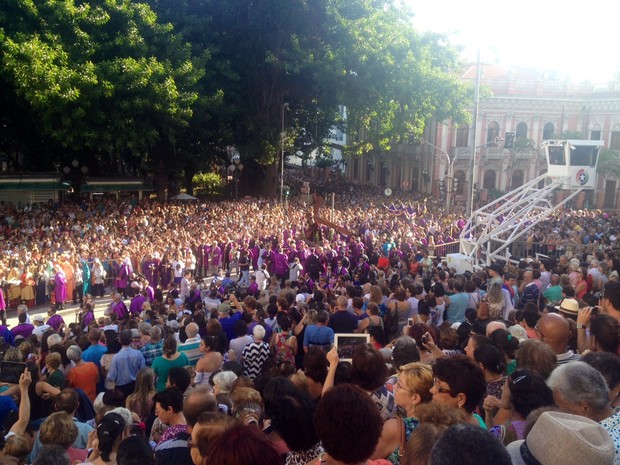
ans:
x=85 y=375
x=222 y=385
x=256 y=354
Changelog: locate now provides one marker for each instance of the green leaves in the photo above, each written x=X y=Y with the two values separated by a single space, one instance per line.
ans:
x=102 y=75
x=123 y=79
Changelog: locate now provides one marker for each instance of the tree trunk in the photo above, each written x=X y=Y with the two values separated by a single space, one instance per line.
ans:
x=161 y=180
x=189 y=172
x=272 y=180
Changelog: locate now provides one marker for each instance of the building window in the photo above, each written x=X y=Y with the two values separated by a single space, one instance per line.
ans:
x=595 y=135
x=462 y=136
x=489 y=180
x=614 y=144
x=517 y=179
x=521 y=130
x=549 y=131
x=492 y=131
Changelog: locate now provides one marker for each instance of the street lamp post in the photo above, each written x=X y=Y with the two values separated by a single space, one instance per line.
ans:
x=284 y=106
x=448 y=177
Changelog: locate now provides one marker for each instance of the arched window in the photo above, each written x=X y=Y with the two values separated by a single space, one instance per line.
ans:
x=521 y=130
x=549 y=131
x=517 y=179
x=489 y=180
x=460 y=188
x=492 y=131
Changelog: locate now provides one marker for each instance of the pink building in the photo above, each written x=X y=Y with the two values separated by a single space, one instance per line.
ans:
x=515 y=103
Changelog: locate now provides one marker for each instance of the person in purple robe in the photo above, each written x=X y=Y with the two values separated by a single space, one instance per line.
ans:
x=150 y=292
x=122 y=277
x=254 y=252
x=135 y=307
x=149 y=269
x=216 y=258
x=253 y=289
x=118 y=307
x=55 y=321
x=60 y=287
x=281 y=266
x=22 y=329
x=87 y=316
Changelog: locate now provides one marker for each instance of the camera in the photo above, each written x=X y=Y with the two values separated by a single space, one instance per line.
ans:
x=424 y=339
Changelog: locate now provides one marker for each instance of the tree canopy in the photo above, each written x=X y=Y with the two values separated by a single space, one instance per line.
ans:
x=167 y=85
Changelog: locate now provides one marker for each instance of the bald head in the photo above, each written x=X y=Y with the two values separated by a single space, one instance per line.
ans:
x=554 y=329
x=199 y=400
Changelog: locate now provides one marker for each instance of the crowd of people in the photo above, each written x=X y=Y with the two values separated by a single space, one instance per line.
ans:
x=247 y=333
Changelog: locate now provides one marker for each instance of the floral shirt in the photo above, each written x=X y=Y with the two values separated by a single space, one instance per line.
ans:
x=410 y=425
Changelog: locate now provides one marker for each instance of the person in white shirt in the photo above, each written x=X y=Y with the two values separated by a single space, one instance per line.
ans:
x=294 y=270
x=262 y=277
x=185 y=285
x=211 y=301
x=39 y=326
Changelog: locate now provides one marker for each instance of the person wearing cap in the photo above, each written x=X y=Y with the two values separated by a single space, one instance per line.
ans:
x=554 y=330
x=227 y=319
x=562 y=438
x=495 y=272
x=580 y=389
x=39 y=326
x=569 y=308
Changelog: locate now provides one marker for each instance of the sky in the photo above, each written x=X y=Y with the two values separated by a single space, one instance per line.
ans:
x=578 y=40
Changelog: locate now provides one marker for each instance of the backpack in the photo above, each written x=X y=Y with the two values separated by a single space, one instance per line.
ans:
x=284 y=352
x=391 y=321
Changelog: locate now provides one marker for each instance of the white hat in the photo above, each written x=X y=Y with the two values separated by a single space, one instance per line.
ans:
x=569 y=307
x=300 y=298
x=561 y=438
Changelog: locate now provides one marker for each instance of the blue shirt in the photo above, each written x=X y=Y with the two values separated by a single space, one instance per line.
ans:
x=94 y=353
x=457 y=307
x=316 y=335
x=228 y=325
x=125 y=366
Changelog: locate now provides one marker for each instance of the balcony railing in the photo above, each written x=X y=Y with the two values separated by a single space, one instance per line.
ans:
x=492 y=153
